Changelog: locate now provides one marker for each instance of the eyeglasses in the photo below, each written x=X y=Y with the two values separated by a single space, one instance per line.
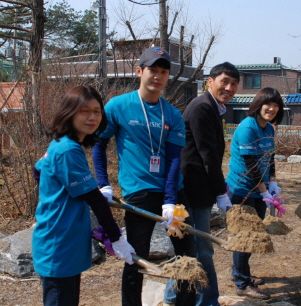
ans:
x=87 y=112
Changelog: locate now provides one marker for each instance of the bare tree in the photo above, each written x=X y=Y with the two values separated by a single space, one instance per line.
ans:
x=174 y=20
x=33 y=11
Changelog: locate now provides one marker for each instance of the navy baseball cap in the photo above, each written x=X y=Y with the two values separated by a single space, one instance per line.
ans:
x=151 y=55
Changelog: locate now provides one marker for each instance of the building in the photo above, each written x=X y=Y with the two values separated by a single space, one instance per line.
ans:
x=255 y=77
x=10 y=109
x=121 y=63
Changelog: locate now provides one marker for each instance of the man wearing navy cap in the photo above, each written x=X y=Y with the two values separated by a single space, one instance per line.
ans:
x=149 y=135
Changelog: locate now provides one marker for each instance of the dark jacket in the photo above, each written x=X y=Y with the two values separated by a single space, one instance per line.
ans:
x=201 y=159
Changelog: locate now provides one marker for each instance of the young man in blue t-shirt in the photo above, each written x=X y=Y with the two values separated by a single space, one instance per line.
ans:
x=149 y=135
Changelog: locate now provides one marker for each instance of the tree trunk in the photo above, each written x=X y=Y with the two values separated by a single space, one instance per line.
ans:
x=31 y=101
x=163 y=25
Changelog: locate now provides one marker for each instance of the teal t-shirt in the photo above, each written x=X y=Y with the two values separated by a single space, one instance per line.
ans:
x=61 y=244
x=127 y=122
x=249 y=139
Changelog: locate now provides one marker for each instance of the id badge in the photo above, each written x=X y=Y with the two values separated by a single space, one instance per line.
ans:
x=154 y=165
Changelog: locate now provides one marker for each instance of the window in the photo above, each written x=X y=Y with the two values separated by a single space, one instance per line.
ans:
x=239 y=114
x=287 y=117
x=186 y=55
x=252 y=80
x=188 y=95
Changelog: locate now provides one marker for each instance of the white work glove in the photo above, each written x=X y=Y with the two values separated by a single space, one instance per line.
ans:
x=123 y=250
x=223 y=202
x=107 y=192
x=167 y=212
x=266 y=194
x=273 y=187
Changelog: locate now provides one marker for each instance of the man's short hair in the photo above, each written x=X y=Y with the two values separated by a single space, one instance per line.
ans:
x=226 y=68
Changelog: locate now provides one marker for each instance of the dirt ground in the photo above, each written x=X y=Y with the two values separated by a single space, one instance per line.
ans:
x=101 y=285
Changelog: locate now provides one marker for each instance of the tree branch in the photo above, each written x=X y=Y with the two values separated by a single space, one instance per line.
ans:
x=173 y=23
x=195 y=73
x=128 y=24
x=10 y=8
x=14 y=37
x=22 y=4
x=14 y=28
x=182 y=62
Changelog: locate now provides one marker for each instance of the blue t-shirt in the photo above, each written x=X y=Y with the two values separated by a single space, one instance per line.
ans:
x=249 y=139
x=61 y=245
x=127 y=122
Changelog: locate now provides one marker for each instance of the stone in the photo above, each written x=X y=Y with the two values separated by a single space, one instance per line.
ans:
x=280 y=158
x=2 y=235
x=294 y=159
x=16 y=252
x=161 y=246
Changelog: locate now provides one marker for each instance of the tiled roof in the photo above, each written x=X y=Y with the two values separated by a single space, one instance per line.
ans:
x=247 y=99
x=294 y=98
x=261 y=67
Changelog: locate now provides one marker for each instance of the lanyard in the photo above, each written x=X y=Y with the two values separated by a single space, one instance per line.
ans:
x=148 y=126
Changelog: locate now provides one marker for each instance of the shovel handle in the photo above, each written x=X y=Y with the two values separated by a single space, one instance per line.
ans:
x=148 y=266
x=150 y=215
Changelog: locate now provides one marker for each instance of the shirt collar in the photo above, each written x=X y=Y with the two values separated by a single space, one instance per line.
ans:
x=221 y=108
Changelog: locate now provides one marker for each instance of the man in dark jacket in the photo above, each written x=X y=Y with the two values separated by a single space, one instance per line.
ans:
x=201 y=163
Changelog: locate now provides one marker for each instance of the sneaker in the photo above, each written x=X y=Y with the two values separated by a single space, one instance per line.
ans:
x=253 y=292
x=255 y=280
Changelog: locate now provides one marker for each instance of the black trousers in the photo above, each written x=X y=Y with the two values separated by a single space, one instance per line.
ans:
x=61 y=291
x=139 y=232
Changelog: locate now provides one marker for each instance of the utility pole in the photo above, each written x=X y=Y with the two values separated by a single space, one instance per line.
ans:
x=102 y=37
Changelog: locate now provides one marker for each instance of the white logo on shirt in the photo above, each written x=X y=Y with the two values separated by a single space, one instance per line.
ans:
x=84 y=179
x=134 y=122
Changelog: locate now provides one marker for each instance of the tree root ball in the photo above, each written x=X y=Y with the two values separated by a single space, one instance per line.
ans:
x=275 y=226
x=186 y=268
x=243 y=217
x=251 y=242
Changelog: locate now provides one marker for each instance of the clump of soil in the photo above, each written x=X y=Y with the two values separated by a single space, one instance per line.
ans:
x=251 y=242
x=275 y=226
x=186 y=268
x=298 y=211
x=243 y=217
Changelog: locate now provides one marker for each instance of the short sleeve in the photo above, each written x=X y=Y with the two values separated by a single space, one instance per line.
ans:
x=247 y=141
x=72 y=169
x=112 y=126
x=176 y=133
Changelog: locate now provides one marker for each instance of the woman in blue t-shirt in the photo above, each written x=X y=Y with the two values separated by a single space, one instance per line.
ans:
x=61 y=244
x=251 y=174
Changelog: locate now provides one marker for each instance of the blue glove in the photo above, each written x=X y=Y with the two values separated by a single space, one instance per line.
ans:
x=223 y=202
x=266 y=194
x=273 y=187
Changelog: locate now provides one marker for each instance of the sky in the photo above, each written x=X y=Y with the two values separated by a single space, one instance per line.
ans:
x=253 y=32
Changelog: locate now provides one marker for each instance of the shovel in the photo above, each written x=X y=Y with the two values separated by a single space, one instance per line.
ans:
x=190 y=230
x=149 y=267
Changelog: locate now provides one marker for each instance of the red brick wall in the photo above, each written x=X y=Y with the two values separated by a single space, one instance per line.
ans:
x=285 y=81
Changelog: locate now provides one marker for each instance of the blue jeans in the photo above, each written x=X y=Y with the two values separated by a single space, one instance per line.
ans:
x=139 y=231
x=61 y=291
x=241 y=268
x=208 y=296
